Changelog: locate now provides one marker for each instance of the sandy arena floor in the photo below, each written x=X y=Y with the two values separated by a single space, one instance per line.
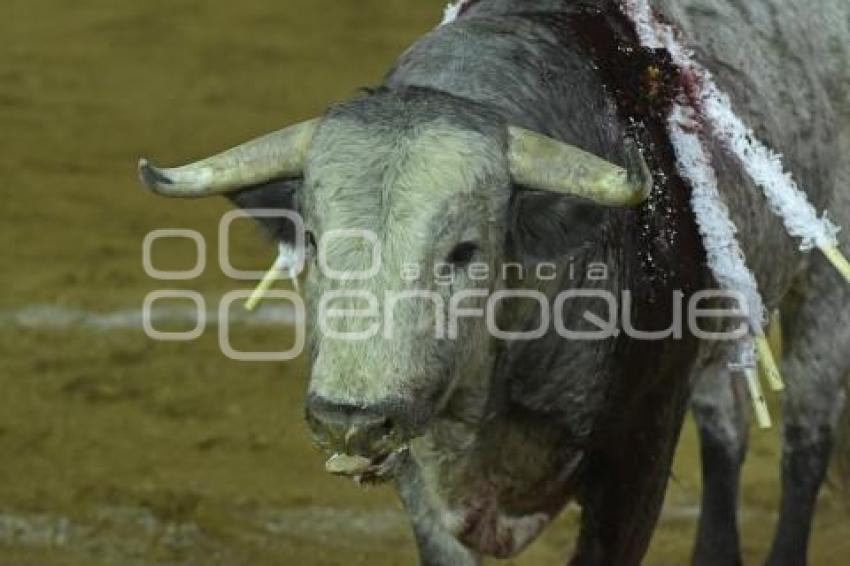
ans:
x=115 y=449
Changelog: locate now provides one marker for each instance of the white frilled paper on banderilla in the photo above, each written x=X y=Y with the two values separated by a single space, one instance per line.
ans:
x=453 y=10
x=762 y=165
x=723 y=251
x=285 y=267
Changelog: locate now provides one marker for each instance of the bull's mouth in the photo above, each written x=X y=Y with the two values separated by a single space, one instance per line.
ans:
x=363 y=470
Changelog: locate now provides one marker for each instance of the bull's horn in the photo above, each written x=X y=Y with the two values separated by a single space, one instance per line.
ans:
x=279 y=154
x=540 y=162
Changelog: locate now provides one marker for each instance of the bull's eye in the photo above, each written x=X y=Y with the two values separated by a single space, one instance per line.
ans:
x=462 y=254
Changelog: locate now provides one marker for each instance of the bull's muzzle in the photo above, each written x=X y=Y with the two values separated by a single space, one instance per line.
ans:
x=365 y=442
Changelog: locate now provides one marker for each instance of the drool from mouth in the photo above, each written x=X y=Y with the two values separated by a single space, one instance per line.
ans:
x=364 y=470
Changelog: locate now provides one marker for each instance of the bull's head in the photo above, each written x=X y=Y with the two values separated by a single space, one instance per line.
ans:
x=433 y=178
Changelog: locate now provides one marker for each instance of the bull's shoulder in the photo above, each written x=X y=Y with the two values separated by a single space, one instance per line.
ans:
x=780 y=60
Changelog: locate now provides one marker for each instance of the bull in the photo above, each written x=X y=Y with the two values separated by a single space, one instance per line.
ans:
x=527 y=133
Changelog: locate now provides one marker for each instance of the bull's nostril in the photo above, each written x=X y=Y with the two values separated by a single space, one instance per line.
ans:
x=351 y=434
x=367 y=434
x=349 y=428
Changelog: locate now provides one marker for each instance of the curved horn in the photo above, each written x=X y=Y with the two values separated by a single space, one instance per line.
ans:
x=279 y=154
x=540 y=162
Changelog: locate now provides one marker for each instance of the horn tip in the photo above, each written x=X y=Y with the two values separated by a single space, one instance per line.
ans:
x=638 y=172
x=152 y=177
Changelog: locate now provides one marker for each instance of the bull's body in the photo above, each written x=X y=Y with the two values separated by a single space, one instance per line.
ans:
x=503 y=433
x=573 y=420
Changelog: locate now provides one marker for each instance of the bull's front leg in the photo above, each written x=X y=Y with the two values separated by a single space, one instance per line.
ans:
x=817 y=372
x=720 y=410
x=436 y=545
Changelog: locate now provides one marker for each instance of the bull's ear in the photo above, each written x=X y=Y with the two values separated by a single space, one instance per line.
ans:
x=545 y=226
x=280 y=194
x=543 y=163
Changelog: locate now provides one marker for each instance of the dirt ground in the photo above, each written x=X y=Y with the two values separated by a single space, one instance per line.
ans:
x=116 y=449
